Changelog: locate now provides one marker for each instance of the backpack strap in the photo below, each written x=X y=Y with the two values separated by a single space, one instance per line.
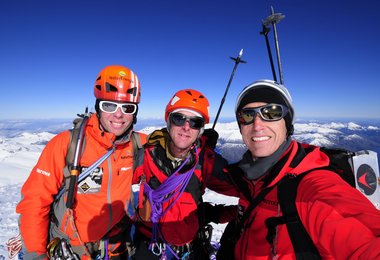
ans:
x=138 y=150
x=138 y=159
x=252 y=205
x=235 y=227
x=236 y=176
x=303 y=245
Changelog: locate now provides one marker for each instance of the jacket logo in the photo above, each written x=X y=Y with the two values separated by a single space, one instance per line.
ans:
x=366 y=179
x=43 y=172
x=84 y=187
x=92 y=183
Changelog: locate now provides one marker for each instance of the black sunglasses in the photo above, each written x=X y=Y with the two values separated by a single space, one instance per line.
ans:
x=270 y=112
x=179 y=119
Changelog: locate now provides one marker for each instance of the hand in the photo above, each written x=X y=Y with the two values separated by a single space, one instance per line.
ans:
x=219 y=213
x=211 y=137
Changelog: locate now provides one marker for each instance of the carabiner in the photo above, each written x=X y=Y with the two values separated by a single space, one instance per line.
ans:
x=159 y=247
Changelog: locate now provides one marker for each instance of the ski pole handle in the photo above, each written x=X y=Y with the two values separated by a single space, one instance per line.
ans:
x=72 y=186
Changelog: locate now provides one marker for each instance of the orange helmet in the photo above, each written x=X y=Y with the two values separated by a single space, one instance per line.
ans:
x=117 y=83
x=189 y=99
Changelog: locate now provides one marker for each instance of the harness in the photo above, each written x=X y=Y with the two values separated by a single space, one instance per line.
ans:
x=163 y=189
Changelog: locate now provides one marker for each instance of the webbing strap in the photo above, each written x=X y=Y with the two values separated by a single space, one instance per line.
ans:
x=84 y=174
x=90 y=169
x=252 y=205
x=303 y=245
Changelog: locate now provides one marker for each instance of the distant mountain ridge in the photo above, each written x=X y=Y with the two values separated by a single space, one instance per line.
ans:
x=351 y=135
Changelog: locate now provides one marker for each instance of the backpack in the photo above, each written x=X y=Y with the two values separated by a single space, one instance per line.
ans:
x=341 y=162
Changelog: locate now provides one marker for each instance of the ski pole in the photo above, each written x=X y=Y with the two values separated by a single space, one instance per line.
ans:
x=237 y=61
x=75 y=168
x=273 y=19
x=265 y=33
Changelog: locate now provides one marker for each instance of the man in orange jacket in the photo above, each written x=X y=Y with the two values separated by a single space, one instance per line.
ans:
x=98 y=221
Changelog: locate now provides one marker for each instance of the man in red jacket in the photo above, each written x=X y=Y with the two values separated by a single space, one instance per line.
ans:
x=178 y=166
x=341 y=222
x=102 y=198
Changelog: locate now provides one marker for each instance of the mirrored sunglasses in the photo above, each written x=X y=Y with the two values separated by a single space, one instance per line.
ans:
x=111 y=107
x=270 y=112
x=179 y=119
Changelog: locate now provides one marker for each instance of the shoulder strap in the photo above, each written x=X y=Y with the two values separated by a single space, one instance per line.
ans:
x=138 y=159
x=252 y=205
x=138 y=150
x=303 y=245
x=236 y=175
x=74 y=137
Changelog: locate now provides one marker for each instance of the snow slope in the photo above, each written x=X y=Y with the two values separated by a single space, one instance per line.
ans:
x=22 y=142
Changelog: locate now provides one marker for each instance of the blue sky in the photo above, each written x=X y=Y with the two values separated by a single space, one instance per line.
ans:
x=51 y=52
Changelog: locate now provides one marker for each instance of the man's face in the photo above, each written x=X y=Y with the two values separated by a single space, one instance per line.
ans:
x=116 y=122
x=261 y=137
x=182 y=137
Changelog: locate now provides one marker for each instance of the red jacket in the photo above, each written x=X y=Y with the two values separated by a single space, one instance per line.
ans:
x=183 y=215
x=342 y=223
x=96 y=210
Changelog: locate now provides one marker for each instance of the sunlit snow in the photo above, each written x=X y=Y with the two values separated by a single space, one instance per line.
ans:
x=21 y=143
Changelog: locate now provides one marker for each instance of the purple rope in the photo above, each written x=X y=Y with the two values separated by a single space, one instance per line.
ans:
x=106 y=257
x=172 y=187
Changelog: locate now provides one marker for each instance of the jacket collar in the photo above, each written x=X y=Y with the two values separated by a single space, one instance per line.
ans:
x=297 y=160
x=293 y=160
x=254 y=169
x=106 y=139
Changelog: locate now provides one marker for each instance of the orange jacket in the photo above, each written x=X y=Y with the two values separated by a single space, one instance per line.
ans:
x=97 y=210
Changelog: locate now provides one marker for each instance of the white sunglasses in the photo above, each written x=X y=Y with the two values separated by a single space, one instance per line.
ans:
x=111 y=107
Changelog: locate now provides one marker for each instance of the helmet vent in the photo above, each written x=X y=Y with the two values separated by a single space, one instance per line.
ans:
x=98 y=87
x=110 y=87
x=132 y=91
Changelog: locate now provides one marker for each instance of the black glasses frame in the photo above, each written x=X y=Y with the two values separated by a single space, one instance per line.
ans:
x=269 y=113
x=195 y=122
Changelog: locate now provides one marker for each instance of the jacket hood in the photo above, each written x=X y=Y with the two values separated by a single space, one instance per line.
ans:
x=299 y=161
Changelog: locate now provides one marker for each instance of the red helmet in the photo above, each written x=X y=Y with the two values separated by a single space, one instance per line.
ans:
x=117 y=83
x=189 y=99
